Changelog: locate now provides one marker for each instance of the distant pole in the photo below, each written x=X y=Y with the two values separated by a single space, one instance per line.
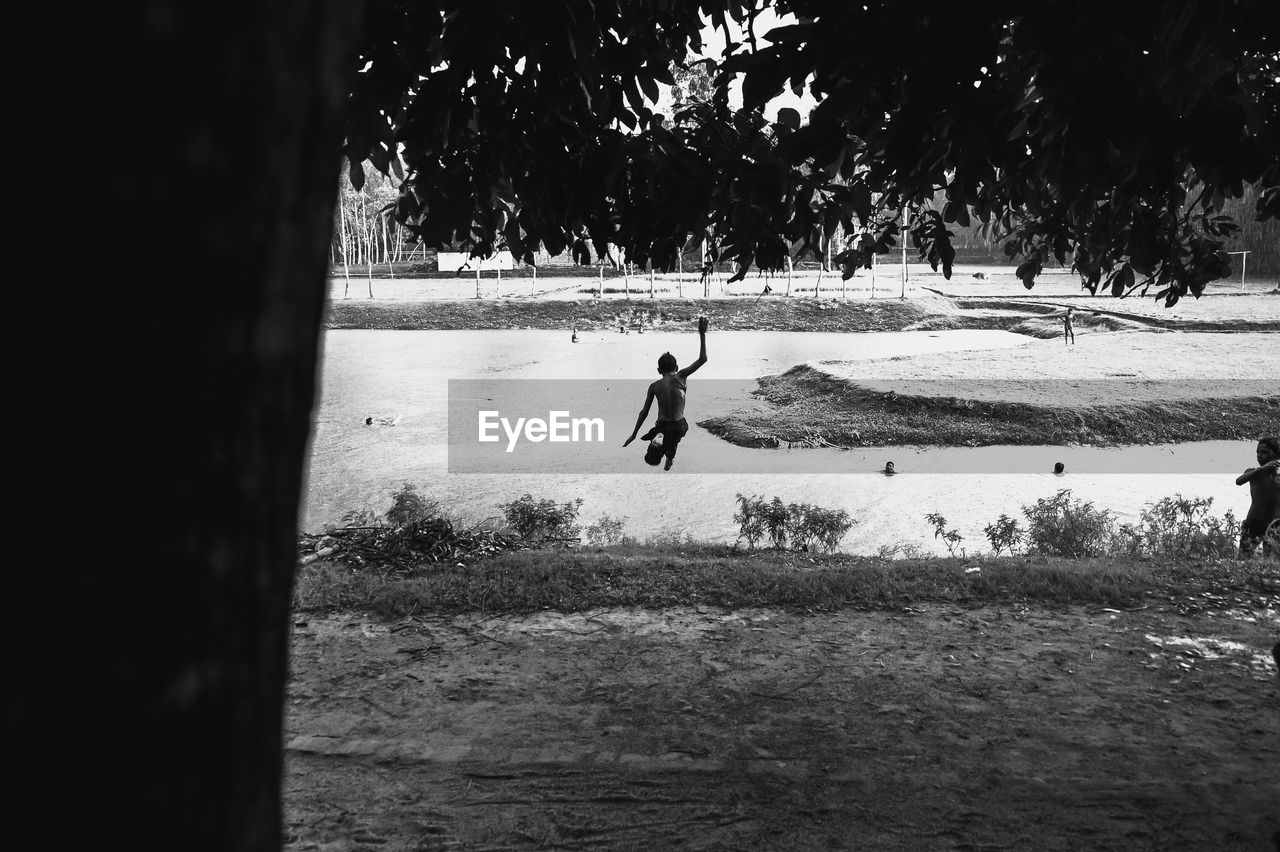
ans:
x=680 y=273
x=626 y=280
x=600 y=286
x=1244 y=264
x=788 y=275
x=873 y=275
x=904 y=253
x=477 y=279
x=364 y=214
x=651 y=279
x=533 y=288
x=706 y=280
x=497 y=288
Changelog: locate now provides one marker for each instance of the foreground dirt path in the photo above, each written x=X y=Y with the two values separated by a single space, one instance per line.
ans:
x=932 y=728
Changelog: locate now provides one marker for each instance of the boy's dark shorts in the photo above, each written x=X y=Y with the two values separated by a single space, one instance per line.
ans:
x=1255 y=532
x=672 y=431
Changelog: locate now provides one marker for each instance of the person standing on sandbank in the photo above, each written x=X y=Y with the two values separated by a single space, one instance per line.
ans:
x=1262 y=524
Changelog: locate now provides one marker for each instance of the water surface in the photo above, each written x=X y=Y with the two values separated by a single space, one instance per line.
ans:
x=400 y=378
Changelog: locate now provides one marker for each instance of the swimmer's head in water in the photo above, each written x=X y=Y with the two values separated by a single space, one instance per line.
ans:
x=888 y=467
x=1059 y=467
x=368 y=421
x=667 y=363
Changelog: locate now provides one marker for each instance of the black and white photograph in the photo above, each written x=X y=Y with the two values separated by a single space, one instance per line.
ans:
x=646 y=425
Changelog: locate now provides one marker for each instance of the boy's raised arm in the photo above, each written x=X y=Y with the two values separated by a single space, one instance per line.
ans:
x=1254 y=472
x=702 y=349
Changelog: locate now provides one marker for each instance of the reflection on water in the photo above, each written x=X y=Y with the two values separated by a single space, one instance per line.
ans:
x=400 y=380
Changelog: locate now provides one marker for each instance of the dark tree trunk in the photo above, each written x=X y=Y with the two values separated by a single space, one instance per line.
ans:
x=164 y=406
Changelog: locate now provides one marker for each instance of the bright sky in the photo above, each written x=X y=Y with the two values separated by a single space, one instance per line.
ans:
x=713 y=42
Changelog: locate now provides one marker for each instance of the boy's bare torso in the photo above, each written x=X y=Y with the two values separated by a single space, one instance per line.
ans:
x=669 y=391
x=1264 y=498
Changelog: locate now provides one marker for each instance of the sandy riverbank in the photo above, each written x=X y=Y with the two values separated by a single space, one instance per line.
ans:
x=1109 y=388
x=1132 y=377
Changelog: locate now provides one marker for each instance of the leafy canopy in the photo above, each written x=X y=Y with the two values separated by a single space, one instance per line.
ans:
x=1106 y=136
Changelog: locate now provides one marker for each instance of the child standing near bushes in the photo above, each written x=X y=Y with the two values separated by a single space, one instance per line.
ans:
x=1264 y=499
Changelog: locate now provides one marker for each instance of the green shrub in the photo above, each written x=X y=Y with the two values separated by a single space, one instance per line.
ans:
x=407 y=506
x=802 y=525
x=750 y=519
x=1181 y=526
x=1005 y=534
x=1060 y=526
x=951 y=538
x=539 y=520
x=409 y=536
x=606 y=531
x=812 y=527
x=777 y=522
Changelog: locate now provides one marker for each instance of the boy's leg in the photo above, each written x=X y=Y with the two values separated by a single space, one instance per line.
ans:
x=671 y=440
x=1248 y=539
x=671 y=443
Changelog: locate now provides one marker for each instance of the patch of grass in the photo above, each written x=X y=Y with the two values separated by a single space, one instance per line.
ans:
x=721 y=576
x=728 y=314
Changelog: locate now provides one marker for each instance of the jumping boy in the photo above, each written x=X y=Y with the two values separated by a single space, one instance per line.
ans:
x=1067 y=330
x=669 y=391
x=1264 y=499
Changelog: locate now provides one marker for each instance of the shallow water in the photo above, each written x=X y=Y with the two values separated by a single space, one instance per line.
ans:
x=400 y=378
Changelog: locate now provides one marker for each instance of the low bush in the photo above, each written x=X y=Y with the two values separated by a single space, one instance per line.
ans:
x=950 y=537
x=1060 y=526
x=1179 y=526
x=410 y=535
x=1174 y=526
x=814 y=528
x=407 y=506
x=802 y=526
x=542 y=520
x=606 y=531
x=1005 y=534
x=750 y=519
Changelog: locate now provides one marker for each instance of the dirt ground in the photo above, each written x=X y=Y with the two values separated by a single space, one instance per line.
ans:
x=937 y=727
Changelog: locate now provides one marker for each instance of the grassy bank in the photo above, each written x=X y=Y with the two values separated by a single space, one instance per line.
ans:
x=929 y=312
x=769 y=314
x=805 y=406
x=657 y=577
